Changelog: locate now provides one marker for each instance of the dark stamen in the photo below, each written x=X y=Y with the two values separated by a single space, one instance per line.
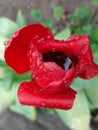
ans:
x=59 y=58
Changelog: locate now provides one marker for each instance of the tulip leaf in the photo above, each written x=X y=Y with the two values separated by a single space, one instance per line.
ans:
x=7 y=80
x=91 y=91
x=96 y=56
x=63 y=35
x=20 y=19
x=3 y=99
x=7 y=27
x=28 y=112
x=78 y=118
x=79 y=84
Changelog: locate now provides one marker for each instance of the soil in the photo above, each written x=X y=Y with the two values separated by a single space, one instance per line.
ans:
x=12 y=121
x=8 y=8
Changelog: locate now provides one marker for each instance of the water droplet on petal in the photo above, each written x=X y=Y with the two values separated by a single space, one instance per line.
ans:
x=68 y=106
x=65 y=81
x=72 y=43
x=43 y=104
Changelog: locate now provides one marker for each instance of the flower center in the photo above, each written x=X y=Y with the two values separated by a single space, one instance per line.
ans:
x=60 y=59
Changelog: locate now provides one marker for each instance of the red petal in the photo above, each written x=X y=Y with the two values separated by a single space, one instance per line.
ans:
x=49 y=74
x=89 y=71
x=76 y=45
x=16 y=54
x=62 y=85
x=34 y=58
x=27 y=96
x=86 y=68
x=17 y=46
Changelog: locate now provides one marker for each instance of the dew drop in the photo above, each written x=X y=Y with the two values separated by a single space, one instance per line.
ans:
x=43 y=104
x=65 y=81
x=71 y=43
x=68 y=106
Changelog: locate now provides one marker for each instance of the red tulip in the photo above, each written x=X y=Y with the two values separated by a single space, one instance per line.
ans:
x=54 y=65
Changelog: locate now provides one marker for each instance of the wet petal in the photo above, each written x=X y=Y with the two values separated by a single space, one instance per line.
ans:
x=89 y=71
x=27 y=96
x=75 y=45
x=86 y=68
x=17 y=46
x=49 y=74
x=59 y=86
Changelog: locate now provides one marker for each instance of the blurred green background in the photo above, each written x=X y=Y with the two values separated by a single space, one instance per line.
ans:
x=64 y=18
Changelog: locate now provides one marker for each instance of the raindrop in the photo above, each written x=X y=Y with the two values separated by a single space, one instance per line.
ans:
x=72 y=43
x=65 y=81
x=40 y=40
x=68 y=106
x=43 y=104
x=48 y=36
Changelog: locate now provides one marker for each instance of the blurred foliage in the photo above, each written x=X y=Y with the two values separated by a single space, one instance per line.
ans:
x=58 y=12
x=78 y=118
x=82 y=21
x=95 y=2
x=7 y=27
x=36 y=14
x=20 y=19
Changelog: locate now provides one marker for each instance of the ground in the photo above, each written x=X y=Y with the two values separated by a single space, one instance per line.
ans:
x=9 y=8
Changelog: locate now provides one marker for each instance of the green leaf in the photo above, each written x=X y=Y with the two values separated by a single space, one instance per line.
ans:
x=28 y=112
x=7 y=27
x=96 y=56
x=48 y=22
x=6 y=98
x=87 y=29
x=95 y=2
x=36 y=15
x=9 y=99
x=63 y=35
x=58 y=12
x=78 y=118
x=83 y=14
x=2 y=63
x=78 y=30
x=23 y=77
x=91 y=90
x=4 y=103
x=7 y=81
x=79 y=84
x=94 y=35
x=47 y=111
x=95 y=49
x=20 y=19
x=2 y=47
